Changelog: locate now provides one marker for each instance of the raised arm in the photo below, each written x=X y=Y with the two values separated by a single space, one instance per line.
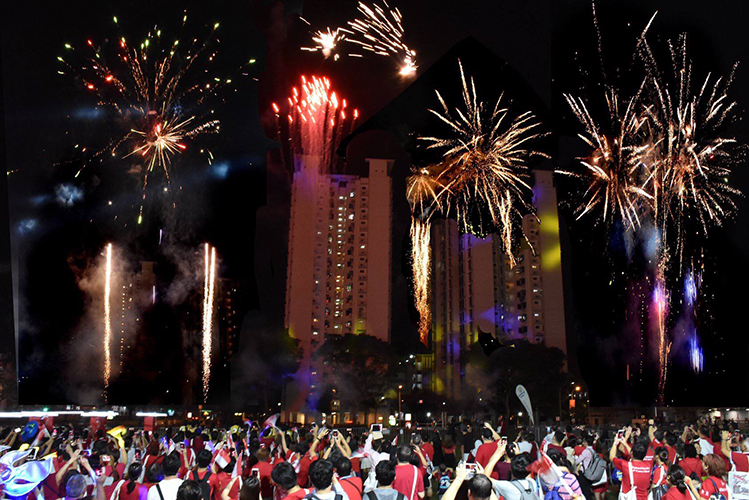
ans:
x=495 y=458
x=227 y=489
x=461 y=473
x=725 y=443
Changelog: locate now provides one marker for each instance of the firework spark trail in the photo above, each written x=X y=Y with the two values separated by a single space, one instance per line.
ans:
x=157 y=104
x=421 y=257
x=209 y=282
x=660 y=305
x=316 y=119
x=107 y=321
x=484 y=164
x=327 y=41
x=380 y=31
x=662 y=160
x=483 y=168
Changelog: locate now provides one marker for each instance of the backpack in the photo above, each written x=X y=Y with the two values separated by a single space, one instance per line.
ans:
x=553 y=494
x=373 y=496
x=595 y=470
x=205 y=488
x=717 y=495
x=526 y=493
x=312 y=496
x=444 y=484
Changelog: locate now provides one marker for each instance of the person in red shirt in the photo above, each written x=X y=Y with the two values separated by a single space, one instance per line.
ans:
x=736 y=459
x=285 y=481
x=428 y=448
x=680 y=485
x=635 y=472
x=691 y=464
x=557 y=443
x=490 y=440
x=716 y=472
x=220 y=478
x=409 y=479
x=264 y=470
x=130 y=488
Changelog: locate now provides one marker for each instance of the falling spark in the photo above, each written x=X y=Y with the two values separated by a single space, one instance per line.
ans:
x=107 y=322
x=157 y=94
x=484 y=167
x=483 y=170
x=380 y=32
x=421 y=258
x=208 y=304
x=660 y=161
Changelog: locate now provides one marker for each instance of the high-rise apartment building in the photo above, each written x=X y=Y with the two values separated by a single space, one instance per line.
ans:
x=475 y=289
x=339 y=262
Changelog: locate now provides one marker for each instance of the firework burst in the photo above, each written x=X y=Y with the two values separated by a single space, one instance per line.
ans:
x=158 y=105
x=316 y=119
x=484 y=164
x=327 y=42
x=482 y=176
x=662 y=161
x=380 y=31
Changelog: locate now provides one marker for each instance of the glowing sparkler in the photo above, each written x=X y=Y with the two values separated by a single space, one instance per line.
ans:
x=316 y=119
x=158 y=106
x=380 y=31
x=209 y=283
x=660 y=306
x=107 y=320
x=696 y=355
x=484 y=164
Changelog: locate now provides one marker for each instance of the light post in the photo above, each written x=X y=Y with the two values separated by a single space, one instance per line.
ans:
x=560 y=401
x=400 y=413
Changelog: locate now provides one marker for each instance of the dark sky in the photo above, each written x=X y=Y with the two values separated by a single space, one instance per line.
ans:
x=547 y=42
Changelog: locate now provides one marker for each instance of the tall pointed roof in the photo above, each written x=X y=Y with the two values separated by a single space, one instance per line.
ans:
x=407 y=117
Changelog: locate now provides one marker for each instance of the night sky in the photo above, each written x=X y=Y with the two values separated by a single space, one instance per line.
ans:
x=552 y=45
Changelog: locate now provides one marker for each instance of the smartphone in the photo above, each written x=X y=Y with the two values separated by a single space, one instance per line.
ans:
x=18 y=429
x=503 y=440
x=334 y=434
x=86 y=453
x=256 y=473
x=471 y=468
x=620 y=433
x=376 y=428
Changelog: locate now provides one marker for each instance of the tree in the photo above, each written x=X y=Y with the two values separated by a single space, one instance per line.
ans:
x=537 y=367
x=360 y=368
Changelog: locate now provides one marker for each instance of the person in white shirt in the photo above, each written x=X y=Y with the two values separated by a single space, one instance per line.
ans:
x=374 y=456
x=166 y=489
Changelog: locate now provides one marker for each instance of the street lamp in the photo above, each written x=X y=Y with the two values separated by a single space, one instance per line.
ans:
x=400 y=413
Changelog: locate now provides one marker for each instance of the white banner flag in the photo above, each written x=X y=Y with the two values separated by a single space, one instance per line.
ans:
x=524 y=398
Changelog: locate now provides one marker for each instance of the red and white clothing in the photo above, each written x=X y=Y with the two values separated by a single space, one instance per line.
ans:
x=353 y=487
x=673 y=493
x=218 y=483
x=693 y=465
x=405 y=475
x=266 y=485
x=740 y=461
x=659 y=475
x=297 y=495
x=641 y=472
x=713 y=485
x=484 y=454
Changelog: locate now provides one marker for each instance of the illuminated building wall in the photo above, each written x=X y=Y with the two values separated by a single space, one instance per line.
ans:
x=475 y=289
x=339 y=267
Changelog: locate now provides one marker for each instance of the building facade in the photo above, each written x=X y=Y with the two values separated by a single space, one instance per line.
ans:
x=339 y=261
x=476 y=290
